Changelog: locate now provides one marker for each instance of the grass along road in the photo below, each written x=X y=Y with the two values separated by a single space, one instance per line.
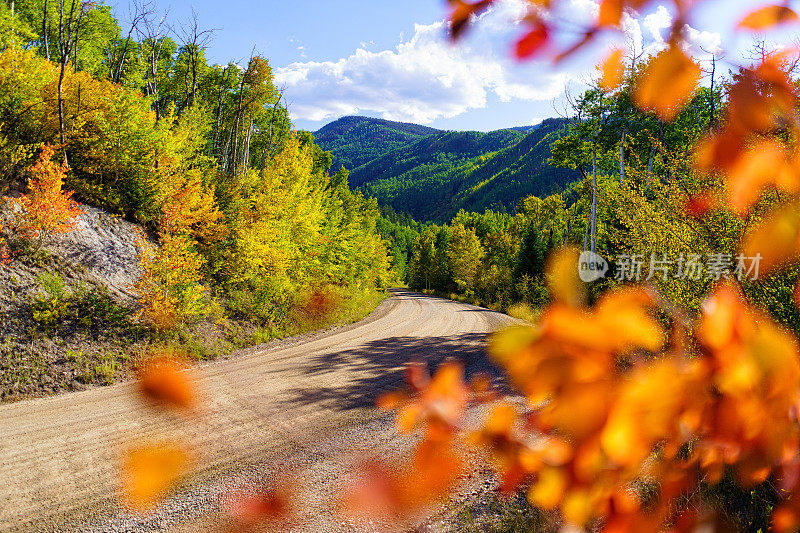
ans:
x=273 y=407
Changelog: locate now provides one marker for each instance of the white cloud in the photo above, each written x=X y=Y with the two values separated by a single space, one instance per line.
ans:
x=703 y=43
x=699 y=43
x=657 y=22
x=425 y=78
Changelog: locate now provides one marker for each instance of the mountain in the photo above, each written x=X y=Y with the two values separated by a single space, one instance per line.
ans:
x=358 y=140
x=432 y=176
x=524 y=129
x=518 y=171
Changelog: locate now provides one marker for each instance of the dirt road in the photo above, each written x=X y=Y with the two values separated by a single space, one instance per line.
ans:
x=288 y=407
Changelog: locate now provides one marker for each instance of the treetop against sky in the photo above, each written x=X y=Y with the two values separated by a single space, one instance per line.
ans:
x=393 y=60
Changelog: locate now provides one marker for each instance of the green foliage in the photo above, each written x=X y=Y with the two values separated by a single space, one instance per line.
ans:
x=244 y=211
x=400 y=232
x=52 y=301
x=355 y=141
x=96 y=310
x=434 y=174
x=296 y=227
x=464 y=254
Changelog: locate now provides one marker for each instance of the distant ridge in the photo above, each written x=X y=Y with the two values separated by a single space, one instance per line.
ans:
x=432 y=174
x=525 y=129
x=356 y=140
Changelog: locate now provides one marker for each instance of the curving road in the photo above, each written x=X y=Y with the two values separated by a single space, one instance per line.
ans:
x=295 y=402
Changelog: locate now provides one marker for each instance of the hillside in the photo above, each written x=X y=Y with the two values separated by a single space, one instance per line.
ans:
x=518 y=171
x=355 y=141
x=435 y=176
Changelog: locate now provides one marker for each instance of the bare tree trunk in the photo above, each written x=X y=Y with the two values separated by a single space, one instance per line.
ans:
x=61 y=108
x=151 y=33
x=713 y=121
x=64 y=42
x=650 y=166
x=75 y=40
x=118 y=71
x=153 y=73
x=235 y=127
x=194 y=41
x=67 y=40
x=194 y=77
x=46 y=31
x=569 y=227
x=215 y=146
x=246 y=156
x=586 y=234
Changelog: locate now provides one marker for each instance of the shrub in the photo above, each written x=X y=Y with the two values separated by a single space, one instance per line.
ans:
x=50 y=305
x=46 y=209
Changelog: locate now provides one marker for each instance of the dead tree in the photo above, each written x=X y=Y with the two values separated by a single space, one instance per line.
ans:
x=193 y=42
x=152 y=33
x=139 y=13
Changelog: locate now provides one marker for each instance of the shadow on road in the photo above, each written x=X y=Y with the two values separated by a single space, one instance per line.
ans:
x=380 y=366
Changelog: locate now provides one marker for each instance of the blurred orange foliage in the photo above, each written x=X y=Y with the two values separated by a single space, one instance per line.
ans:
x=150 y=471
x=165 y=381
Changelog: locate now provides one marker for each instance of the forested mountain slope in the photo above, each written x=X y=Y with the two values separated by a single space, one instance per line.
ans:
x=518 y=171
x=358 y=140
x=435 y=176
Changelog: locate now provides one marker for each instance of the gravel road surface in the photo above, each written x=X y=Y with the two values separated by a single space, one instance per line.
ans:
x=300 y=408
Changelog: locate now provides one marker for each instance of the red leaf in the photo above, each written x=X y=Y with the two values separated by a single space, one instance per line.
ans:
x=532 y=42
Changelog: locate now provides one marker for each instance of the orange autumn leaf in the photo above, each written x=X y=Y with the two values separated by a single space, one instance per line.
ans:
x=439 y=402
x=749 y=109
x=252 y=507
x=667 y=83
x=725 y=318
x=699 y=205
x=548 y=489
x=165 y=381
x=578 y=506
x=776 y=239
x=767 y=17
x=719 y=152
x=383 y=493
x=149 y=472
x=752 y=171
x=763 y=98
x=796 y=294
x=786 y=518
x=481 y=387
x=613 y=70
x=647 y=411
x=610 y=13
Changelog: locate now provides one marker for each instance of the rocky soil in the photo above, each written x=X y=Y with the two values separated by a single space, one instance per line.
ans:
x=65 y=310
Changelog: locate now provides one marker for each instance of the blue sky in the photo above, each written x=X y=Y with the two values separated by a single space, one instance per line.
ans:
x=389 y=58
